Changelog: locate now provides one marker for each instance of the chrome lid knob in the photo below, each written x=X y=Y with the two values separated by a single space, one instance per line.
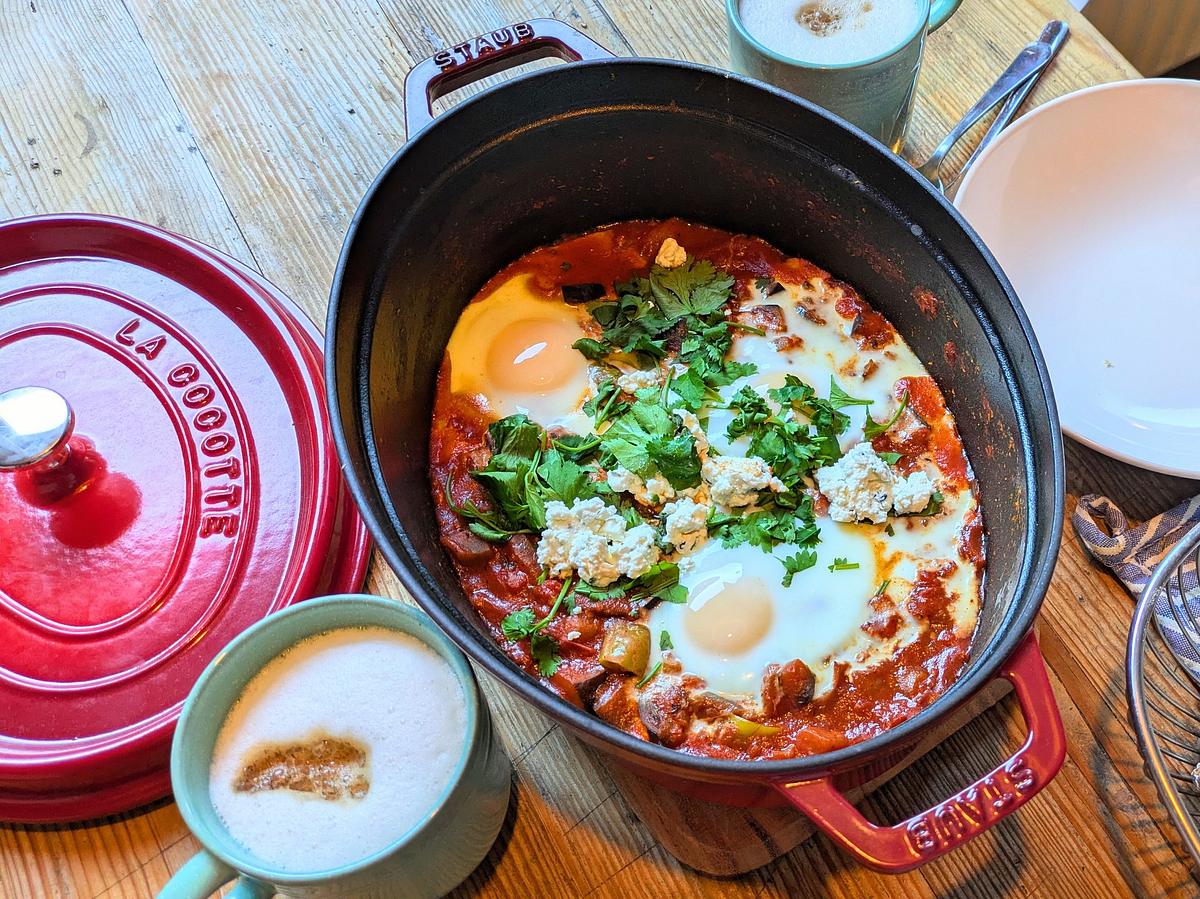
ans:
x=35 y=422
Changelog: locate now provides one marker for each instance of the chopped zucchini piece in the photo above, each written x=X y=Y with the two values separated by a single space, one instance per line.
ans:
x=626 y=647
x=747 y=728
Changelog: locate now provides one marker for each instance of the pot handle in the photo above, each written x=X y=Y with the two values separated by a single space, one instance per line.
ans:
x=951 y=823
x=487 y=54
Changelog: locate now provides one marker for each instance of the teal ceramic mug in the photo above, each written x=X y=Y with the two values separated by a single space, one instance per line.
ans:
x=876 y=94
x=429 y=860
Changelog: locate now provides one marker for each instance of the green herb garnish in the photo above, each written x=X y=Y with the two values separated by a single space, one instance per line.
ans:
x=842 y=564
x=794 y=564
x=522 y=624
x=873 y=428
x=649 y=676
x=664 y=641
x=660 y=582
x=883 y=588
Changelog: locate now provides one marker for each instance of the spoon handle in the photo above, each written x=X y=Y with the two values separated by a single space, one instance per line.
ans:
x=1054 y=35
x=1029 y=61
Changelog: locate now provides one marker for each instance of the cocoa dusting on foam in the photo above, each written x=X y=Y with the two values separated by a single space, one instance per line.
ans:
x=331 y=768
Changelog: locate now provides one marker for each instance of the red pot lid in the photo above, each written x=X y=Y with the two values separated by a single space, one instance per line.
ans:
x=199 y=492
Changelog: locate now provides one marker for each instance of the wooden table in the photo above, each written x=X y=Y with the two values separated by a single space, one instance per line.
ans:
x=256 y=126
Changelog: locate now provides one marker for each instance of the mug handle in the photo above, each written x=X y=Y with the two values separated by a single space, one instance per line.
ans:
x=204 y=874
x=940 y=11
x=949 y=824
x=487 y=54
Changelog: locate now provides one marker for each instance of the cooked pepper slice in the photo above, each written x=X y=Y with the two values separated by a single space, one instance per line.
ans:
x=626 y=647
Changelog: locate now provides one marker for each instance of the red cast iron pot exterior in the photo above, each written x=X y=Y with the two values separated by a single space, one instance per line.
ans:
x=569 y=148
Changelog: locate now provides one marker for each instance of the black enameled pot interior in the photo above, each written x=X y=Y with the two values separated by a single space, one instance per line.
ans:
x=569 y=148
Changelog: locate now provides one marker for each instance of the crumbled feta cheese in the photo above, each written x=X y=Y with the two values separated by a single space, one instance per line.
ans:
x=686 y=523
x=622 y=480
x=733 y=481
x=632 y=381
x=658 y=488
x=861 y=486
x=692 y=423
x=592 y=538
x=671 y=254
x=650 y=492
x=858 y=486
x=911 y=494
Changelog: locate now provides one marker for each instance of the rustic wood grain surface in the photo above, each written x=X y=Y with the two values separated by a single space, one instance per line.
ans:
x=255 y=127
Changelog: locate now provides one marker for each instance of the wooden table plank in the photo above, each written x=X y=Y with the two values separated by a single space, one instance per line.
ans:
x=256 y=127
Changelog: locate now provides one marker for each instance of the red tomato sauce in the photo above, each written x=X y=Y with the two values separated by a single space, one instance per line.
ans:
x=503 y=578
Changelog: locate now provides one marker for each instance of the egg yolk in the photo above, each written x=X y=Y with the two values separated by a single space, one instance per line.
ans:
x=728 y=616
x=534 y=356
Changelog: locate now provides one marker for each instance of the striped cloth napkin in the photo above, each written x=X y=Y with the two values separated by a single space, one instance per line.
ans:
x=1133 y=552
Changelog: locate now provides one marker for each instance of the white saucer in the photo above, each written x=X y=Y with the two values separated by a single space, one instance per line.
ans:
x=1091 y=203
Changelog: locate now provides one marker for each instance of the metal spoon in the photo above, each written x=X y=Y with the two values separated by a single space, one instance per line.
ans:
x=1031 y=60
x=1054 y=35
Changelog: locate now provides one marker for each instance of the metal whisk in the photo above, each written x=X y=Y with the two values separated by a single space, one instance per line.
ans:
x=1163 y=691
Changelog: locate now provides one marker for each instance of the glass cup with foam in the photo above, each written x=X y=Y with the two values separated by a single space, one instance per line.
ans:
x=859 y=59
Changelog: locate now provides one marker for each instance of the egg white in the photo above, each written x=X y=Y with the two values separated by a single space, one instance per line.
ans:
x=816 y=619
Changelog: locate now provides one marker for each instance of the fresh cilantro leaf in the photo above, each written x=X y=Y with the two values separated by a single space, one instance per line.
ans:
x=515 y=435
x=794 y=393
x=602 y=406
x=692 y=390
x=661 y=582
x=598 y=594
x=630 y=437
x=732 y=371
x=509 y=487
x=839 y=399
x=694 y=288
x=544 y=650
x=676 y=459
x=518 y=625
x=521 y=477
x=630 y=514
x=646 y=349
x=767 y=528
x=873 y=428
x=699 y=383
x=664 y=641
x=492 y=526
x=883 y=588
x=576 y=447
x=752 y=412
x=591 y=349
x=542 y=647
x=564 y=480
x=842 y=564
x=889 y=530
x=890 y=458
x=763 y=284
x=797 y=562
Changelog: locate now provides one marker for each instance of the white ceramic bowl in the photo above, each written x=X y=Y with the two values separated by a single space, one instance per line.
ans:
x=1091 y=204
